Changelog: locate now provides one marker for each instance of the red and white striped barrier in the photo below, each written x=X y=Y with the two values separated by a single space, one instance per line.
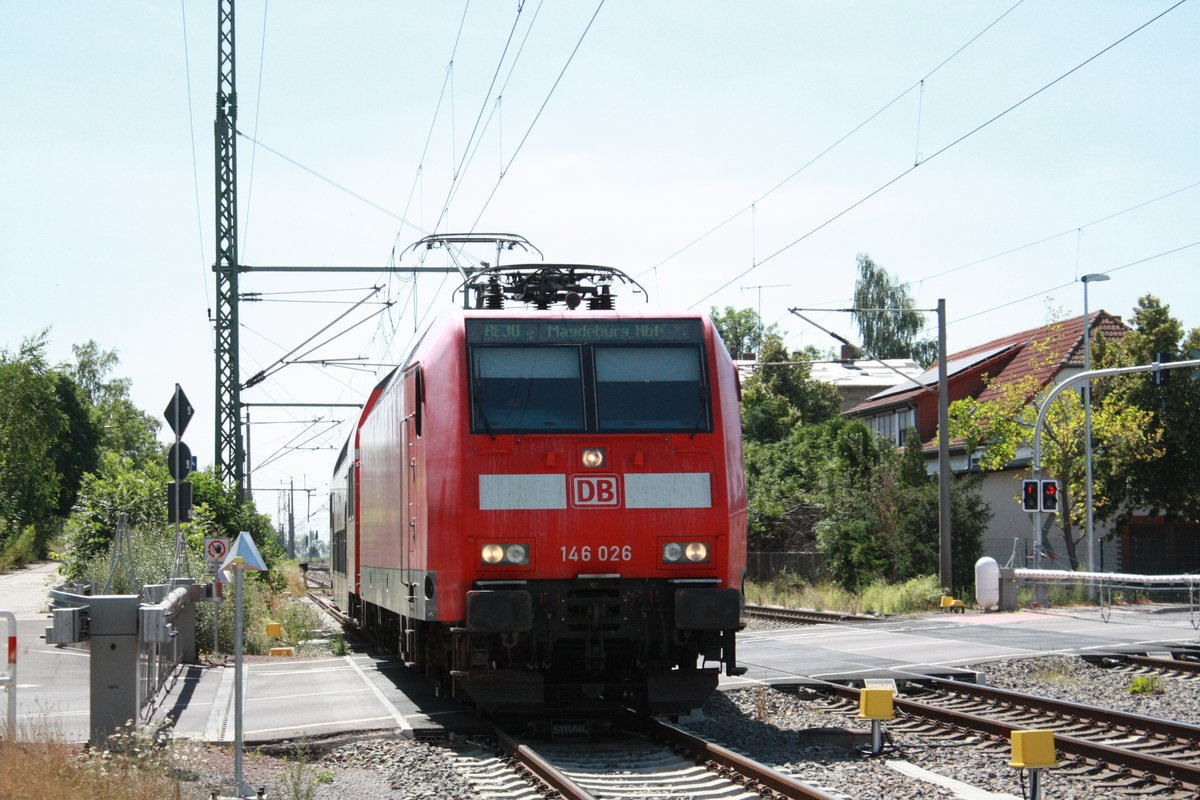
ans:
x=9 y=679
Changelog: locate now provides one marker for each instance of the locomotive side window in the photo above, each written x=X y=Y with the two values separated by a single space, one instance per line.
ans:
x=650 y=388
x=526 y=389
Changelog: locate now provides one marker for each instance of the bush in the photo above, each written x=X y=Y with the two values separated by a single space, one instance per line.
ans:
x=153 y=557
x=19 y=548
x=256 y=612
x=297 y=619
x=917 y=594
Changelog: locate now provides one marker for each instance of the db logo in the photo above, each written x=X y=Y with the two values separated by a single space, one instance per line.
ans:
x=595 y=491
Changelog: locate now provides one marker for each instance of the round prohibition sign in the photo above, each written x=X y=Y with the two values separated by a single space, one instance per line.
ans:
x=216 y=549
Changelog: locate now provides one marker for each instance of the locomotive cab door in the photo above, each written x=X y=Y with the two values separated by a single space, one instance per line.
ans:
x=413 y=560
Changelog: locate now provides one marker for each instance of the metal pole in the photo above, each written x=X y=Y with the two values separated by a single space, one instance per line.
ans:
x=945 y=562
x=239 y=784
x=249 y=472
x=179 y=475
x=1087 y=427
x=1035 y=783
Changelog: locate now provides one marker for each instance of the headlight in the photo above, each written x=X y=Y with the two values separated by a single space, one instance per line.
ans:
x=505 y=554
x=685 y=552
x=592 y=457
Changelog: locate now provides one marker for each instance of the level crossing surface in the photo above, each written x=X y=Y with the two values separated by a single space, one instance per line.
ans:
x=296 y=697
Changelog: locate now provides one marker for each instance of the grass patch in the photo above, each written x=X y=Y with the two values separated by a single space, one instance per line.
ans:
x=47 y=769
x=918 y=594
x=1055 y=672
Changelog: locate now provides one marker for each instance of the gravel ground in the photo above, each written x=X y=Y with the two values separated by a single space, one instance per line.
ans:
x=762 y=723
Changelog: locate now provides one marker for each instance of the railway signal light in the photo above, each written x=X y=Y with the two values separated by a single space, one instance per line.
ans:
x=1049 y=495
x=1039 y=495
x=1030 y=495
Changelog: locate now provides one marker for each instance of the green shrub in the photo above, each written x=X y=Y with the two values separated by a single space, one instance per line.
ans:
x=297 y=619
x=917 y=594
x=19 y=547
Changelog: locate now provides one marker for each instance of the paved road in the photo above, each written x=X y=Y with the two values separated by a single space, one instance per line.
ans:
x=52 y=682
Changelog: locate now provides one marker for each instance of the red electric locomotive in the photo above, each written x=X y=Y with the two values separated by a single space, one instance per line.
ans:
x=545 y=508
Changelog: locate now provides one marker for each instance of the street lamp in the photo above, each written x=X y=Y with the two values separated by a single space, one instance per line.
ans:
x=1094 y=277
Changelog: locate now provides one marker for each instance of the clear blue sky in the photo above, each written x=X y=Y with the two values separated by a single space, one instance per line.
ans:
x=671 y=119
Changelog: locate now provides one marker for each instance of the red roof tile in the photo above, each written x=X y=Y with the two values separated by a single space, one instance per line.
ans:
x=979 y=371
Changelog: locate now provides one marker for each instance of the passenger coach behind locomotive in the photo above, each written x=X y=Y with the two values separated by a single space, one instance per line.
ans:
x=546 y=508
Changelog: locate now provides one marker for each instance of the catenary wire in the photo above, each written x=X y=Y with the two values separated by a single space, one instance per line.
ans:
x=1059 y=235
x=187 y=71
x=504 y=170
x=870 y=118
x=940 y=151
x=1043 y=292
x=262 y=57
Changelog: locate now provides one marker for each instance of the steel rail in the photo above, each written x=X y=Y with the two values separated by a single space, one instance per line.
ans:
x=805 y=615
x=750 y=770
x=1180 y=773
x=542 y=769
x=1174 y=664
x=1124 y=719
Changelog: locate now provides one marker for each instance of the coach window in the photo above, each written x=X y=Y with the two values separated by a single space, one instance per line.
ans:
x=526 y=389
x=650 y=388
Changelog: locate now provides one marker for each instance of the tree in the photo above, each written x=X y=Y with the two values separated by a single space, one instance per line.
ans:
x=871 y=510
x=124 y=428
x=741 y=331
x=1164 y=483
x=117 y=486
x=31 y=421
x=888 y=335
x=219 y=511
x=998 y=428
x=77 y=450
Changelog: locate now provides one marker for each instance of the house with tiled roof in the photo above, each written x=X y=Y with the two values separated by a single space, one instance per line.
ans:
x=1048 y=355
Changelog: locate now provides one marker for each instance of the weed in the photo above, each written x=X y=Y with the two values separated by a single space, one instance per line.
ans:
x=300 y=781
x=761 y=712
x=1145 y=684
x=1055 y=672
x=46 y=768
x=338 y=646
x=298 y=619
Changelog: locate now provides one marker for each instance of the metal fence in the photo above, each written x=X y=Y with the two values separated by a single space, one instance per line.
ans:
x=765 y=565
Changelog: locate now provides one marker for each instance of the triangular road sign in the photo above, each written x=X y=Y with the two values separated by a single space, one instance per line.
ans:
x=245 y=549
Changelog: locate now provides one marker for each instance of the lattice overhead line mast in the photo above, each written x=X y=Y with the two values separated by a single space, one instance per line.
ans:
x=228 y=453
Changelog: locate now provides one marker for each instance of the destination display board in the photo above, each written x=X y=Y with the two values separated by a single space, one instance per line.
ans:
x=558 y=331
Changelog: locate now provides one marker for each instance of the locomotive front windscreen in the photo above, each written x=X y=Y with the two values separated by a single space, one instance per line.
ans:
x=611 y=376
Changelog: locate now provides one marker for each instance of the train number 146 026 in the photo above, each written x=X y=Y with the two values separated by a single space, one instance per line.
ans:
x=604 y=552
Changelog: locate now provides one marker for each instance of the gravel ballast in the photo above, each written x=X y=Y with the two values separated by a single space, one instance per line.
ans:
x=764 y=724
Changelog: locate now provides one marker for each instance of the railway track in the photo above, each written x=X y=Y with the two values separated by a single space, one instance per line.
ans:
x=1122 y=752
x=802 y=616
x=655 y=761
x=1186 y=669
